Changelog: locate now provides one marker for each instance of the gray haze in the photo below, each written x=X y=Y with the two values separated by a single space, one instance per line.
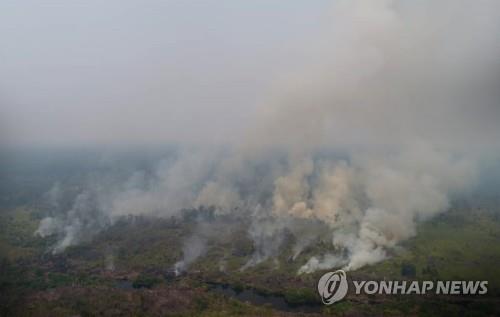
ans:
x=86 y=72
x=135 y=72
x=361 y=117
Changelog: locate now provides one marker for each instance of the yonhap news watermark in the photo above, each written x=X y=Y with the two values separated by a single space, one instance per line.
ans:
x=334 y=286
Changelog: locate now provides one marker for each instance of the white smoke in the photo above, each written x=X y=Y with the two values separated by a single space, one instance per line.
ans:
x=322 y=263
x=404 y=91
x=48 y=226
x=174 y=186
x=109 y=262
x=266 y=233
x=370 y=204
x=393 y=85
x=193 y=248
x=80 y=223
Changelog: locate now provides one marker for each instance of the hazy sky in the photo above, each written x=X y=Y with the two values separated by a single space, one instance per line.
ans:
x=83 y=72
x=324 y=72
x=407 y=89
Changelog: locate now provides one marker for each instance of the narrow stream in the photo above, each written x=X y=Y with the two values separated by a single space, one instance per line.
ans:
x=247 y=295
x=253 y=297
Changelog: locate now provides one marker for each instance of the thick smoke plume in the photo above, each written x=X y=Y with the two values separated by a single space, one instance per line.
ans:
x=377 y=131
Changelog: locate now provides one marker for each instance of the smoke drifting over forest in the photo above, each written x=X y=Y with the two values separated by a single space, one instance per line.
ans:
x=379 y=128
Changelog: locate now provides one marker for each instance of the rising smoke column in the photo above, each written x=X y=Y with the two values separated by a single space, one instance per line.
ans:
x=401 y=90
x=404 y=91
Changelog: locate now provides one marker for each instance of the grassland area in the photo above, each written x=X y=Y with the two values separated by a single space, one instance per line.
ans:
x=127 y=270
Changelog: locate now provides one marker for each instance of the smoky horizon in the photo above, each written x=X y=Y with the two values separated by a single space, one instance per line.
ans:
x=344 y=124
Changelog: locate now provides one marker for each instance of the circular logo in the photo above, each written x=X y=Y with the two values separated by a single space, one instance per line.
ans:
x=332 y=287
